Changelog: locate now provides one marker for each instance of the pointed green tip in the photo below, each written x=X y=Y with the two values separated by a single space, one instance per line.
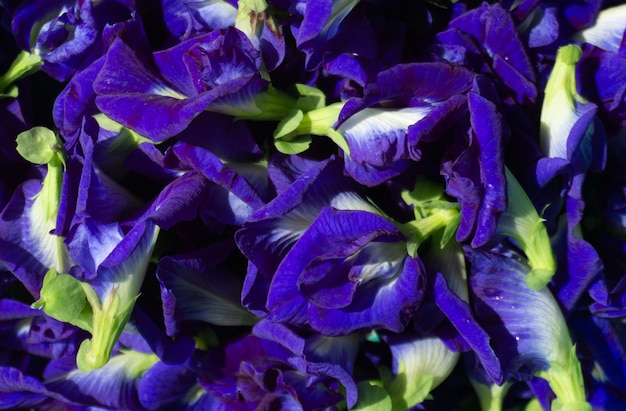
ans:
x=569 y=54
x=90 y=358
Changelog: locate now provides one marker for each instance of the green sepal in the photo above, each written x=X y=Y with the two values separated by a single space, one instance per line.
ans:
x=562 y=80
x=521 y=222
x=39 y=145
x=407 y=392
x=24 y=64
x=286 y=127
x=372 y=397
x=270 y=105
x=491 y=396
x=318 y=121
x=566 y=381
x=109 y=321
x=424 y=193
x=297 y=145
x=309 y=98
x=62 y=297
x=432 y=214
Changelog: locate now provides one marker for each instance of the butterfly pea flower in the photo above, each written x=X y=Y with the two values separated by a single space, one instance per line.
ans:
x=562 y=135
x=199 y=184
x=320 y=249
x=382 y=132
x=102 y=304
x=572 y=139
x=474 y=169
x=509 y=311
x=184 y=90
x=31 y=247
x=259 y=371
x=77 y=100
x=276 y=368
x=66 y=35
x=485 y=39
x=218 y=71
x=59 y=384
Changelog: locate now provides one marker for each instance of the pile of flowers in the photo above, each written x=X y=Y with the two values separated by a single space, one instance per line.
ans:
x=312 y=205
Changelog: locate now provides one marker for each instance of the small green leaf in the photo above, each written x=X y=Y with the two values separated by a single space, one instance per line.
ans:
x=39 y=145
x=62 y=297
x=372 y=398
x=298 y=145
x=310 y=98
x=288 y=125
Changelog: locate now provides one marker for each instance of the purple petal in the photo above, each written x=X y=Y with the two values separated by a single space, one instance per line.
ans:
x=27 y=248
x=271 y=231
x=459 y=313
x=166 y=386
x=238 y=195
x=527 y=327
x=131 y=94
x=208 y=61
x=193 y=290
x=19 y=390
x=114 y=385
x=349 y=271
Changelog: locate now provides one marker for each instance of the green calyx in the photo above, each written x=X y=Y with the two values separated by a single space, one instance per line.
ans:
x=491 y=397
x=560 y=101
x=300 y=116
x=40 y=145
x=69 y=300
x=521 y=222
x=562 y=81
x=108 y=322
x=296 y=129
x=566 y=381
x=23 y=65
x=433 y=214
